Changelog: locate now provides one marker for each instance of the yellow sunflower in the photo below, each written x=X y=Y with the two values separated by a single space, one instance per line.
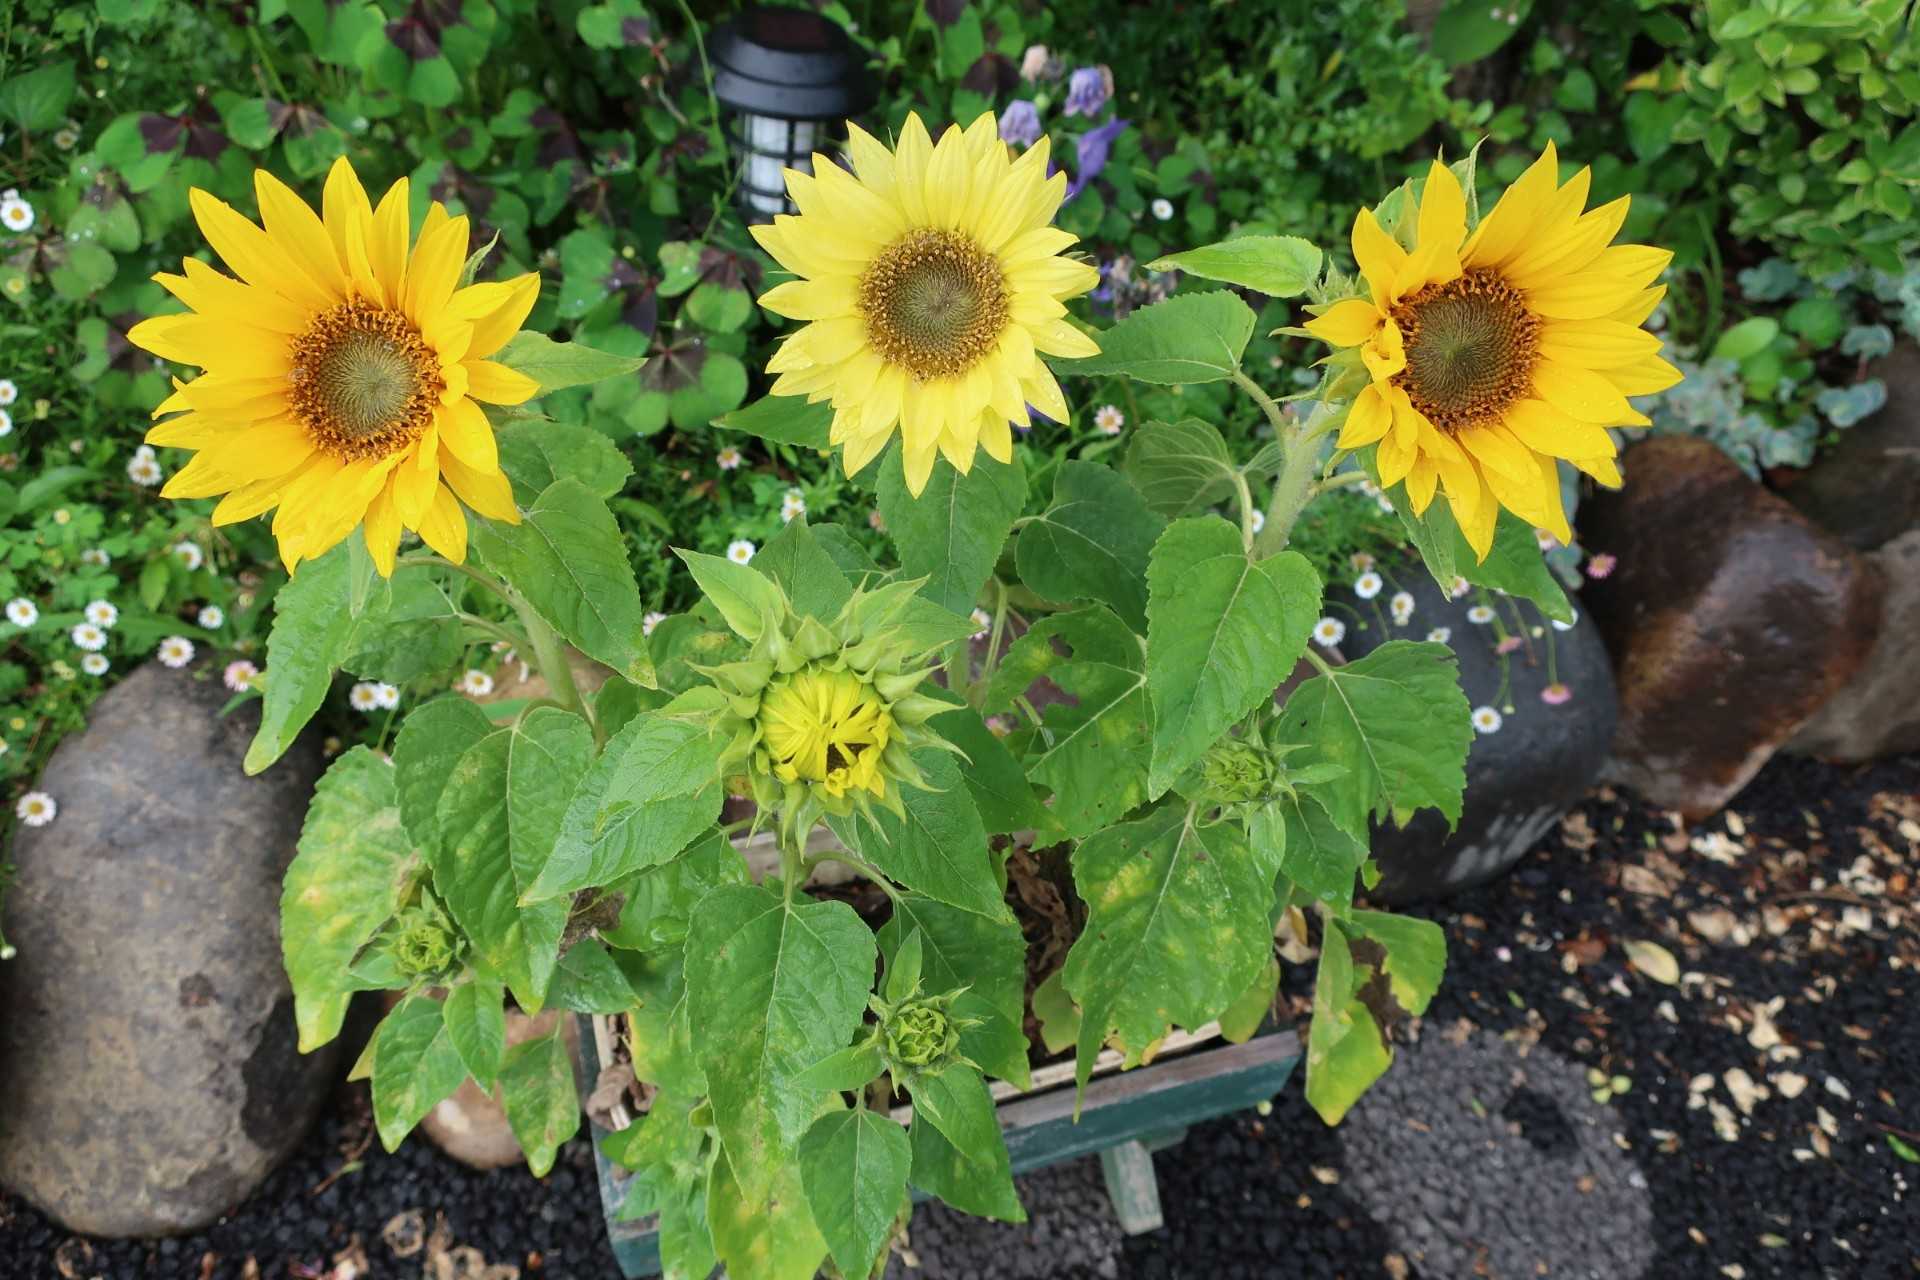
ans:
x=931 y=281
x=1492 y=354
x=343 y=370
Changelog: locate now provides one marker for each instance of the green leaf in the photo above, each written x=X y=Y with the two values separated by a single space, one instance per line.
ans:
x=779 y=985
x=853 y=1165
x=669 y=1156
x=1345 y=1052
x=1224 y=631
x=312 y=625
x=1513 y=564
x=766 y=1234
x=413 y=629
x=956 y=1100
x=783 y=420
x=854 y=1067
x=1093 y=754
x=953 y=532
x=1092 y=542
x=535 y=453
x=794 y=559
x=660 y=900
x=589 y=981
x=476 y=1018
x=341 y=887
x=1416 y=954
x=747 y=599
x=1001 y=793
x=430 y=742
x=979 y=1182
x=1243 y=1017
x=566 y=556
x=1280 y=266
x=1177 y=928
x=536 y=1084
x=1180 y=467
x=415 y=1067
x=548 y=752
x=1749 y=337
x=1195 y=337
x=655 y=787
x=557 y=365
x=1396 y=723
x=1310 y=849
x=938 y=848
x=37 y=100
x=960 y=948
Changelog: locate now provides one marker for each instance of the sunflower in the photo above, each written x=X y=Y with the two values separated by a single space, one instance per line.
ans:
x=344 y=371
x=1493 y=353
x=931 y=281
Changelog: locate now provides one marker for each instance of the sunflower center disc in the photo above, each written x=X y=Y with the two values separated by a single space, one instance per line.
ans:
x=934 y=302
x=1470 y=348
x=364 y=382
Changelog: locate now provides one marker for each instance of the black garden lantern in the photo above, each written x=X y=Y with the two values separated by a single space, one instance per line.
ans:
x=788 y=79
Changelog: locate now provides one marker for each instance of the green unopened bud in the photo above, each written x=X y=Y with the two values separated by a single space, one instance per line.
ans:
x=1235 y=772
x=920 y=1036
x=424 y=944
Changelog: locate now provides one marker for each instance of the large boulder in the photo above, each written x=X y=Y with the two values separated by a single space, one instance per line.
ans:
x=1521 y=778
x=1866 y=489
x=1878 y=712
x=1731 y=619
x=148 y=1059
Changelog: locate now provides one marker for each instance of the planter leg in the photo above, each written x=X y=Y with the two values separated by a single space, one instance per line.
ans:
x=1132 y=1187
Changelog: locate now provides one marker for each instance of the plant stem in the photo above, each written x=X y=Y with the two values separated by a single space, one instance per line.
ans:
x=1246 y=509
x=1291 y=492
x=550 y=656
x=792 y=867
x=865 y=868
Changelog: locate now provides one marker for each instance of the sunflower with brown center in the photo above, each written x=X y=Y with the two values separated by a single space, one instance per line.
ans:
x=344 y=371
x=1490 y=354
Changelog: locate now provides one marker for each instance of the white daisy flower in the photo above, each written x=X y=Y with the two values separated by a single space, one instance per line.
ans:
x=1440 y=635
x=1109 y=419
x=728 y=458
x=1480 y=615
x=1486 y=720
x=1368 y=585
x=1369 y=488
x=94 y=664
x=175 y=652
x=652 y=620
x=1386 y=507
x=89 y=637
x=740 y=551
x=1458 y=587
x=1361 y=560
x=1259 y=520
x=1546 y=541
x=1566 y=626
x=1402 y=606
x=240 y=675
x=8 y=392
x=22 y=612
x=386 y=696
x=102 y=613
x=476 y=683
x=794 y=503
x=1162 y=208
x=16 y=215
x=6 y=423
x=188 y=554
x=1329 y=631
x=983 y=623
x=212 y=617
x=96 y=556
x=66 y=137
x=364 y=696
x=144 y=471
x=36 y=809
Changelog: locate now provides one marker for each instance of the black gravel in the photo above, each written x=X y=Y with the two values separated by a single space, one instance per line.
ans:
x=1520 y=1165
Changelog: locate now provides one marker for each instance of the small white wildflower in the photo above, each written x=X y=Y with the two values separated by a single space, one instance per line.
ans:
x=983 y=623
x=144 y=471
x=1566 y=626
x=6 y=423
x=1486 y=720
x=740 y=551
x=1440 y=635
x=94 y=664
x=102 y=613
x=386 y=696
x=188 y=554
x=364 y=696
x=212 y=617
x=652 y=620
x=36 y=809
x=1329 y=631
x=1369 y=488
x=89 y=637
x=793 y=503
x=175 y=652
x=728 y=458
x=1546 y=541
x=22 y=612
x=1402 y=606
x=1458 y=587
x=1386 y=507
x=476 y=682
x=16 y=215
x=1259 y=520
x=1162 y=208
x=1480 y=615
x=66 y=137
x=8 y=391
x=1368 y=585
x=96 y=556
x=1109 y=419
x=240 y=675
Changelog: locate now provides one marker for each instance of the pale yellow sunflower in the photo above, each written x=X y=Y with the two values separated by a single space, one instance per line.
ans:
x=344 y=371
x=1493 y=353
x=828 y=728
x=931 y=281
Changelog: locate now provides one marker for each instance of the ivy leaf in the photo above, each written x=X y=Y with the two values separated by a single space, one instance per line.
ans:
x=548 y=752
x=430 y=742
x=415 y=1067
x=567 y=557
x=1093 y=754
x=795 y=560
x=1296 y=834
x=779 y=985
x=1092 y=542
x=1345 y=1052
x=979 y=1182
x=1513 y=564
x=342 y=885
x=476 y=1017
x=989 y=959
x=938 y=847
x=770 y=1234
x=1195 y=337
x=1396 y=723
x=1223 y=632
x=783 y=420
x=536 y=1084
x=1178 y=927
x=999 y=787
x=953 y=532
x=536 y=453
x=312 y=624
x=853 y=1165
x=1279 y=266
x=557 y=365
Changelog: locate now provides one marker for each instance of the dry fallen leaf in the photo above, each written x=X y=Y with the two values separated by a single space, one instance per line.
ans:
x=1653 y=960
x=1637 y=879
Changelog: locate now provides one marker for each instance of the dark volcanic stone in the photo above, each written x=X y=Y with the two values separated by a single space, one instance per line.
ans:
x=1523 y=778
x=1731 y=619
x=147 y=1039
x=1878 y=712
x=1866 y=490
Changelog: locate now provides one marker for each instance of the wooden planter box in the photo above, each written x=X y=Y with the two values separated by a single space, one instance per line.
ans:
x=1126 y=1116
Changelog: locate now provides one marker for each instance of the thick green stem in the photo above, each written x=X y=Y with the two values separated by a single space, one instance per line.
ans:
x=1291 y=492
x=792 y=869
x=548 y=654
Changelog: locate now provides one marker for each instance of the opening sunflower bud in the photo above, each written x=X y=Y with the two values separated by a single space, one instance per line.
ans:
x=1235 y=772
x=423 y=944
x=827 y=729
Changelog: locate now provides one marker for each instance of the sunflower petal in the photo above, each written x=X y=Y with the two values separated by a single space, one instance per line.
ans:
x=1346 y=324
x=444 y=525
x=1584 y=394
x=497 y=384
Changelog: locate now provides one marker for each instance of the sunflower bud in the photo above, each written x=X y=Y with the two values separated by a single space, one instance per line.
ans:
x=423 y=943
x=1235 y=772
x=919 y=1036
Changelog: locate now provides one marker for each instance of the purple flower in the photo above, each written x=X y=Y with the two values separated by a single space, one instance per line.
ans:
x=1094 y=147
x=1088 y=90
x=1020 y=123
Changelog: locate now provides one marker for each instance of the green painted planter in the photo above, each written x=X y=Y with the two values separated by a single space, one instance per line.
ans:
x=1126 y=1116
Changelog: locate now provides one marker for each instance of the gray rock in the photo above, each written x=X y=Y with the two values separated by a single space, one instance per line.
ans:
x=1878 y=712
x=1522 y=779
x=147 y=1044
x=1866 y=489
